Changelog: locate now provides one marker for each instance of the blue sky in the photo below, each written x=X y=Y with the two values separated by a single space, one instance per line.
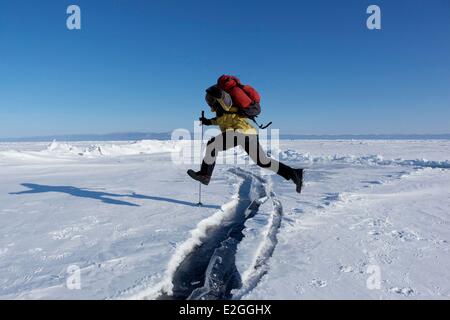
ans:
x=141 y=65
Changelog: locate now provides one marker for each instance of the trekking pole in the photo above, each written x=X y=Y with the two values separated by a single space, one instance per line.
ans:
x=201 y=153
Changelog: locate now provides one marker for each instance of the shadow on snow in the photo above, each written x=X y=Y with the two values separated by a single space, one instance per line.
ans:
x=105 y=197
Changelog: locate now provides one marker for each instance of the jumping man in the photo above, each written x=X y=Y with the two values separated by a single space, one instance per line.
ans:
x=234 y=104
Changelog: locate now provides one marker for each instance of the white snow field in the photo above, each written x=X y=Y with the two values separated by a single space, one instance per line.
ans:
x=119 y=220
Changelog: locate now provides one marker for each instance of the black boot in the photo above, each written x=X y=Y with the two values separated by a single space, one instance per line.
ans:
x=297 y=178
x=202 y=178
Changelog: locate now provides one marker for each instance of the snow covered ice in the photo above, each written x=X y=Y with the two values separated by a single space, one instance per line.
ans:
x=126 y=215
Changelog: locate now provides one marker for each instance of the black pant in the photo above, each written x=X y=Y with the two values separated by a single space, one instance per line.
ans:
x=250 y=143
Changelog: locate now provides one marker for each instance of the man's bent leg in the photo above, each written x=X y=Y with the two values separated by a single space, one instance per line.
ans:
x=214 y=146
x=260 y=157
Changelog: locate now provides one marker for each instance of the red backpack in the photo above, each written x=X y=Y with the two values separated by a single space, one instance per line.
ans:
x=245 y=97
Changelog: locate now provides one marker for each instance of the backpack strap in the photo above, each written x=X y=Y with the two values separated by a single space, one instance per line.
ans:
x=261 y=126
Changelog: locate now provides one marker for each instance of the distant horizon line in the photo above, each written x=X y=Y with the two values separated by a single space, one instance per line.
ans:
x=127 y=136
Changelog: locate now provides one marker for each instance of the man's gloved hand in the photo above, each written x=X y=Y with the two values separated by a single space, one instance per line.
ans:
x=206 y=122
x=215 y=91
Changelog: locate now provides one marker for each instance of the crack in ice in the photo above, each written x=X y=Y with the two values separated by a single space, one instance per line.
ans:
x=204 y=266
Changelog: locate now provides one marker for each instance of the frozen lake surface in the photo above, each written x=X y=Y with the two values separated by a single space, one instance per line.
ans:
x=373 y=222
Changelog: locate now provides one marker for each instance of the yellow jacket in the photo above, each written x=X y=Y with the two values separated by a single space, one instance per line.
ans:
x=232 y=120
